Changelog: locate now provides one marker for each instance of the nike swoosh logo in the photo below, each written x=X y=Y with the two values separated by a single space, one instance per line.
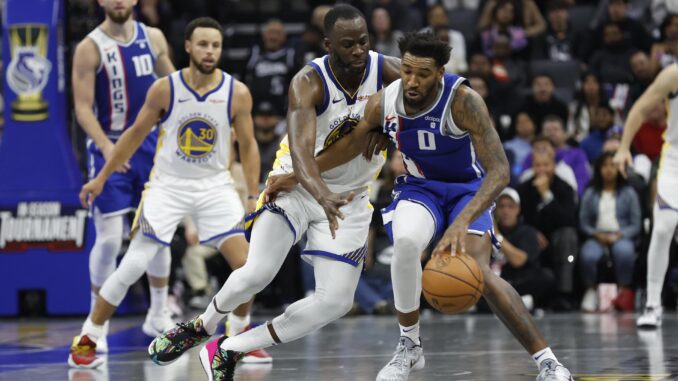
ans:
x=538 y=357
x=408 y=330
x=184 y=100
x=389 y=118
x=337 y=100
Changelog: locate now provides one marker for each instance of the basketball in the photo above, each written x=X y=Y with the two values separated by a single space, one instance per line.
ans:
x=452 y=284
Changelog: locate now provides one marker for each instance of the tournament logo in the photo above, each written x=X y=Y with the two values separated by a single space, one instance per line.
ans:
x=28 y=71
x=196 y=140
x=344 y=127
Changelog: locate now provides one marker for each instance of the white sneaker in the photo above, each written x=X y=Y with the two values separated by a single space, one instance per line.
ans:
x=551 y=370
x=408 y=357
x=156 y=325
x=590 y=301
x=651 y=318
x=102 y=342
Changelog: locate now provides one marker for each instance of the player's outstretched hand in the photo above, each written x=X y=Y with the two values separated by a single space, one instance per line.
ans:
x=90 y=191
x=454 y=239
x=376 y=142
x=622 y=159
x=279 y=183
x=331 y=203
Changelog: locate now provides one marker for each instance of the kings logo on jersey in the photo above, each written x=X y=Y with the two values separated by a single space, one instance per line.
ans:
x=28 y=71
x=196 y=138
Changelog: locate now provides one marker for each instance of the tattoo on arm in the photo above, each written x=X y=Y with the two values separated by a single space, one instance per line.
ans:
x=470 y=113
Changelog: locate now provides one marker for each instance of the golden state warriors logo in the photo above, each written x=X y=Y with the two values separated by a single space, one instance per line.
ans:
x=343 y=127
x=196 y=140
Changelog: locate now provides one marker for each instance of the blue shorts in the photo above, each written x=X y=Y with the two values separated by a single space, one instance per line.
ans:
x=122 y=191
x=443 y=200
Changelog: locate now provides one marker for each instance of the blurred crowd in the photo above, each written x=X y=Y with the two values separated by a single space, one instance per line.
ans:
x=558 y=76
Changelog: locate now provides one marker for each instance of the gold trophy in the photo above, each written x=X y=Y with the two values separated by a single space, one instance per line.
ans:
x=28 y=71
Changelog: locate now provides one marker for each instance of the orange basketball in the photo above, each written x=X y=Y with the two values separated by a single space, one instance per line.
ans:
x=452 y=284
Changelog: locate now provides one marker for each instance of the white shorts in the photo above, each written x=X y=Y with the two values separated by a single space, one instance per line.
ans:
x=212 y=203
x=305 y=215
x=667 y=177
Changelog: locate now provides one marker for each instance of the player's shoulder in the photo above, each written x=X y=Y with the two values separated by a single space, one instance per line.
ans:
x=155 y=34
x=86 y=52
x=240 y=89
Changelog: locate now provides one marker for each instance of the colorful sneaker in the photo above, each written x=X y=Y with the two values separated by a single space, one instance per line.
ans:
x=167 y=347
x=218 y=363
x=83 y=353
x=551 y=370
x=156 y=325
x=408 y=357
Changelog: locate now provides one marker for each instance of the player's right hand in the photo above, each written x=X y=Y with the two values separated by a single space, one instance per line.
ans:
x=376 y=142
x=331 y=202
x=622 y=159
x=90 y=191
x=107 y=151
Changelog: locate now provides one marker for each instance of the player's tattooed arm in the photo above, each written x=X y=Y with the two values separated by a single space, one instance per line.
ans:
x=470 y=113
x=390 y=69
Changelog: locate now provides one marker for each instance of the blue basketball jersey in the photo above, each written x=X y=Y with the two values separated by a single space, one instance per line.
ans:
x=125 y=73
x=433 y=147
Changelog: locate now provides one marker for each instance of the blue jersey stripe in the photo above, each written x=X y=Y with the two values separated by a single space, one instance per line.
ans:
x=326 y=100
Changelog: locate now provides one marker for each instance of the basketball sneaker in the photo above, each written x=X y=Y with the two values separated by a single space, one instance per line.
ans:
x=83 y=353
x=102 y=342
x=551 y=370
x=167 y=347
x=258 y=356
x=156 y=325
x=407 y=357
x=651 y=318
x=218 y=363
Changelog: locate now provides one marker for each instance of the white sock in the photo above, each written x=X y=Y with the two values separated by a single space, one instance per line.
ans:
x=92 y=300
x=236 y=324
x=544 y=354
x=211 y=318
x=411 y=332
x=158 y=300
x=92 y=330
x=253 y=339
x=664 y=221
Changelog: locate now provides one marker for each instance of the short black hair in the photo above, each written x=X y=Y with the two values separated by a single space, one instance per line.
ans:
x=202 y=22
x=340 y=12
x=425 y=44
x=553 y=118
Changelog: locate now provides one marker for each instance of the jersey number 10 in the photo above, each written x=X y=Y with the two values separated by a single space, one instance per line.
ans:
x=143 y=65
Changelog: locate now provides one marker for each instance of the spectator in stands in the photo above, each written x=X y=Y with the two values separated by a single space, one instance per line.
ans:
x=612 y=63
x=602 y=121
x=521 y=145
x=543 y=102
x=520 y=249
x=384 y=37
x=439 y=23
x=310 y=45
x=589 y=96
x=665 y=51
x=269 y=128
x=271 y=66
x=661 y=9
x=404 y=16
x=643 y=75
x=559 y=43
x=610 y=219
x=548 y=203
x=634 y=32
x=542 y=144
x=479 y=65
x=503 y=22
x=527 y=14
x=649 y=139
x=156 y=13
x=554 y=129
x=505 y=68
x=452 y=5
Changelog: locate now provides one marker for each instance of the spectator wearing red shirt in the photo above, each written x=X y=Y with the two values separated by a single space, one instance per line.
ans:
x=649 y=139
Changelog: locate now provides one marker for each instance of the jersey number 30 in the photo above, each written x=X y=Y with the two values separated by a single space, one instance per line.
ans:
x=427 y=140
x=143 y=65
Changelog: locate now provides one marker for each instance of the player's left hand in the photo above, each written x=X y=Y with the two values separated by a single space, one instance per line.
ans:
x=453 y=240
x=279 y=183
x=376 y=142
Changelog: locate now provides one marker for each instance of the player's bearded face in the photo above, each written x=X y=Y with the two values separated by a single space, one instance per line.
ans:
x=420 y=78
x=349 y=45
x=204 y=48
x=119 y=11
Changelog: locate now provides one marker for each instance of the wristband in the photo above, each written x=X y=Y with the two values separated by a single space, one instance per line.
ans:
x=253 y=197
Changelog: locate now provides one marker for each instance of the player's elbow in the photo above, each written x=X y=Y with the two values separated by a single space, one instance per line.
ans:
x=502 y=176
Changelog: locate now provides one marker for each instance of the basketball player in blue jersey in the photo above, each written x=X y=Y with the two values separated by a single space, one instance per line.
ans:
x=196 y=109
x=327 y=98
x=113 y=67
x=456 y=168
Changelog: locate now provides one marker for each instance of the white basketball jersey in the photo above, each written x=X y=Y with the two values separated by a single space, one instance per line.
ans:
x=671 y=133
x=195 y=135
x=337 y=116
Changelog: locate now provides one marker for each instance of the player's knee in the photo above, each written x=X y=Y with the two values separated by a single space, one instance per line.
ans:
x=408 y=245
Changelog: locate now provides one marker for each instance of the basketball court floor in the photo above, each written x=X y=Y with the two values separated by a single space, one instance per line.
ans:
x=465 y=347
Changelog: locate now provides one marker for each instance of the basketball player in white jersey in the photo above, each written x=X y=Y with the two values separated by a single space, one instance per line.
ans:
x=665 y=212
x=327 y=98
x=196 y=108
x=113 y=67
